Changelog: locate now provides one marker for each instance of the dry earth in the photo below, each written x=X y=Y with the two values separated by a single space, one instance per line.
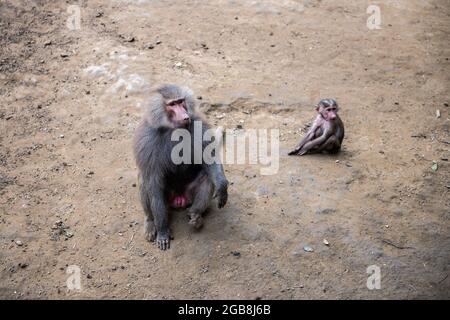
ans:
x=71 y=99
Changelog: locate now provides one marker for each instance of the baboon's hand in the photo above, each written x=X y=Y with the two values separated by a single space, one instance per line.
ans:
x=222 y=194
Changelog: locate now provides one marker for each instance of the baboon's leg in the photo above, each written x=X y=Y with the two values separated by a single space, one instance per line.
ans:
x=202 y=190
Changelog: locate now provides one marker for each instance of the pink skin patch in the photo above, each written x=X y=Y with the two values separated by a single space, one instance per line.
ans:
x=331 y=116
x=178 y=201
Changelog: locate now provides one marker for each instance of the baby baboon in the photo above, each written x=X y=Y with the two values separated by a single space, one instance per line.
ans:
x=326 y=133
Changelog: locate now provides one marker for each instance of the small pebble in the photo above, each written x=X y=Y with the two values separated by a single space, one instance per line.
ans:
x=236 y=253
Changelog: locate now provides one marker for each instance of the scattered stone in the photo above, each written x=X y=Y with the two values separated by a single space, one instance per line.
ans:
x=236 y=253
x=58 y=230
x=99 y=14
x=434 y=166
x=308 y=249
x=61 y=136
x=337 y=161
x=64 y=55
x=19 y=243
x=178 y=64
x=438 y=113
x=325 y=242
x=325 y=211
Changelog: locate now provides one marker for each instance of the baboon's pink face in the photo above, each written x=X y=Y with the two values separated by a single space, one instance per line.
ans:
x=328 y=113
x=177 y=112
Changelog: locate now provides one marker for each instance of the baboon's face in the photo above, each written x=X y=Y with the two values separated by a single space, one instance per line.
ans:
x=177 y=112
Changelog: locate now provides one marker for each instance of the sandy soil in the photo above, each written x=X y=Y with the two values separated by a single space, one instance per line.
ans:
x=71 y=99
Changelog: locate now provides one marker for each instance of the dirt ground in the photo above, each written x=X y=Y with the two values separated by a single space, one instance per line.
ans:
x=70 y=100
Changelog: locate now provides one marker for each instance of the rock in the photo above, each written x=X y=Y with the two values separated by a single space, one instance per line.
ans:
x=434 y=166
x=325 y=211
x=325 y=242
x=308 y=249
x=438 y=113
x=236 y=253
x=19 y=243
